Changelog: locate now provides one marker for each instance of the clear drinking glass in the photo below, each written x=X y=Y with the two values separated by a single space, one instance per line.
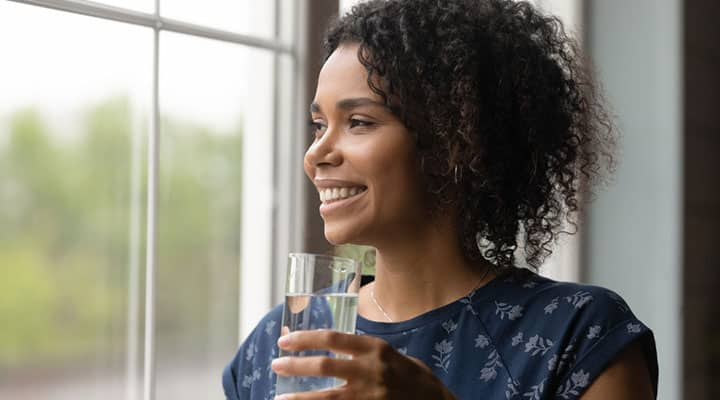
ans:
x=321 y=292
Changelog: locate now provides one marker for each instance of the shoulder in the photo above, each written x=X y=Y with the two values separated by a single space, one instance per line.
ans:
x=572 y=330
x=250 y=368
x=537 y=296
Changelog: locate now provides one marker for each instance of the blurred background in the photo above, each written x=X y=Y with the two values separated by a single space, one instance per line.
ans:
x=151 y=185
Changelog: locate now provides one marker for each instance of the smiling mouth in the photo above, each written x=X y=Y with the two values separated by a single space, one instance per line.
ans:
x=330 y=195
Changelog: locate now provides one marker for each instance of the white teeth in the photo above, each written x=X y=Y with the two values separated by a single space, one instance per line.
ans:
x=338 y=193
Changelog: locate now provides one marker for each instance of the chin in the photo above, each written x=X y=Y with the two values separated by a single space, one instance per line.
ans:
x=334 y=237
x=337 y=235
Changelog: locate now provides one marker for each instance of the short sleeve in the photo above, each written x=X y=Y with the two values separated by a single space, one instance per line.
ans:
x=248 y=376
x=603 y=327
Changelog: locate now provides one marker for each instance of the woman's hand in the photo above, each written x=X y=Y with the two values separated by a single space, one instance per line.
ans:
x=376 y=371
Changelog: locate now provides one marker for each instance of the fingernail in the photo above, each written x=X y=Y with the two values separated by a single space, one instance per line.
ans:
x=282 y=397
x=279 y=363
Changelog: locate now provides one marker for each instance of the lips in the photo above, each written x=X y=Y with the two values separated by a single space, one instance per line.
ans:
x=336 y=194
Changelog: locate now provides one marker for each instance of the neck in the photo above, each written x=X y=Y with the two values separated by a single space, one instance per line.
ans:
x=422 y=273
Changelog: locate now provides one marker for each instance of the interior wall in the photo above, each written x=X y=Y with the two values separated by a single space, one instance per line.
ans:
x=633 y=241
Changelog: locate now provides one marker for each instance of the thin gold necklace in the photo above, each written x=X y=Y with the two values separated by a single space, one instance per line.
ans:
x=382 y=310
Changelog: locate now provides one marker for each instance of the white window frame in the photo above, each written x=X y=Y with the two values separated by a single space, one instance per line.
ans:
x=286 y=216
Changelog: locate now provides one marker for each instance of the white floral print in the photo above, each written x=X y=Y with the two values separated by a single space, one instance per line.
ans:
x=517 y=339
x=564 y=360
x=552 y=362
x=449 y=326
x=273 y=353
x=444 y=350
x=572 y=386
x=536 y=391
x=249 y=379
x=512 y=388
x=594 y=332
x=537 y=345
x=541 y=343
x=482 y=341
x=489 y=371
x=269 y=326
x=250 y=352
x=467 y=300
x=579 y=299
x=552 y=306
x=512 y=312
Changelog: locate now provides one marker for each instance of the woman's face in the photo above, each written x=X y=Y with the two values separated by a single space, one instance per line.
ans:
x=362 y=160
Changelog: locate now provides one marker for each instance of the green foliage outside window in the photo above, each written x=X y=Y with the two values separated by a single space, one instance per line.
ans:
x=365 y=255
x=65 y=233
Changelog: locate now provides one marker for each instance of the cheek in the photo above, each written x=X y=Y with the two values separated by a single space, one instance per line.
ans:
x=396 y=178
x=308 y=167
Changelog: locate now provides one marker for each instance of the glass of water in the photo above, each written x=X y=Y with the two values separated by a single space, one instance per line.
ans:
x=321 y=292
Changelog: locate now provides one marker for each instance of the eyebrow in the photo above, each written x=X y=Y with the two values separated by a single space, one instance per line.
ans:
x=349 y=104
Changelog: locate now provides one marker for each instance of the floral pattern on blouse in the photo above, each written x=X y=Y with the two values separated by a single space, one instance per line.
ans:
x=521 y=336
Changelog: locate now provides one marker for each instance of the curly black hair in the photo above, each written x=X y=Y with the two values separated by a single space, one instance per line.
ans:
x=509 y=126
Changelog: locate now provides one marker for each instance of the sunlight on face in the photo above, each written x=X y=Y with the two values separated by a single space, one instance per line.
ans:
x=362 y=159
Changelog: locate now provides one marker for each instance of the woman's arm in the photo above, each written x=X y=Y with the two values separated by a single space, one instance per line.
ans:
x=627 y=378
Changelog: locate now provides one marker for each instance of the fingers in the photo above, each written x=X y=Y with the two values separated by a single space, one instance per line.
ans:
x=420 y=363
x=315 y=366
x=328 y=340
x=327 y=394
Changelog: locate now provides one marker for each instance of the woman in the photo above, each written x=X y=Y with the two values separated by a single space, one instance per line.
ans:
x=461 y=131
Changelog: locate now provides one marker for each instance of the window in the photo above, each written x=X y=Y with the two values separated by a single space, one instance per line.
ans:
x=139 y=176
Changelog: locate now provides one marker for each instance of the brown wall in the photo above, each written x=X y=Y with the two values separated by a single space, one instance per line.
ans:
x=702 y=200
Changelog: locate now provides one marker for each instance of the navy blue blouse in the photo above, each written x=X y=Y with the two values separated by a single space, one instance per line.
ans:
x=521 y=336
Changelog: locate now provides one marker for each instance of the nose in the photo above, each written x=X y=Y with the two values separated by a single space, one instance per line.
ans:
x=324 y=151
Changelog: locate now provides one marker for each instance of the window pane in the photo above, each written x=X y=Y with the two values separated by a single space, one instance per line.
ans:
x=210 y=107
x=73 y=115
x=249 y=17
x=146 y=6
x=287 y=20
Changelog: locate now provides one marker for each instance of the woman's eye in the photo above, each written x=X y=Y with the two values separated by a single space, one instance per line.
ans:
x=358 y=122
x=317 y=127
